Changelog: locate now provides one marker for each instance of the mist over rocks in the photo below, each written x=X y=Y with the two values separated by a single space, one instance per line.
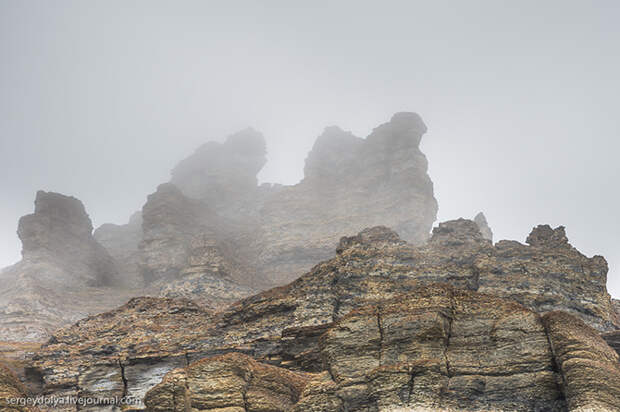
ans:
x=64 y=274
x=122 y=242
x=467 y=320
x=60 y=231
x=223 y=175
x=214 y=235
x=278 y=232
x=332 y=294
x=483 y=225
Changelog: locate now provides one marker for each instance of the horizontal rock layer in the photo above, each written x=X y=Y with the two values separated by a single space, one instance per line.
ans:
x=287 y=326
x=437 y=348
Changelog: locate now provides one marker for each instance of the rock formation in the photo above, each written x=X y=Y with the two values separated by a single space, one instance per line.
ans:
x=213 y=234
x=64 y=274
x=389 y=319
x=279 y=232
x=60 y=232
x=228 y=382
x=122 y=242
x=12 y=393
x=483 y=225
x=349 y=184
x=360 y=291
x=187 y=250
x=223 y=175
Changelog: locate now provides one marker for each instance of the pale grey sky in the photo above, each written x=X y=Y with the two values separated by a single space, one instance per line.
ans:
x=99 y=99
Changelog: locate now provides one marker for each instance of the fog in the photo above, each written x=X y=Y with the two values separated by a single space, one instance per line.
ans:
x=99 y=100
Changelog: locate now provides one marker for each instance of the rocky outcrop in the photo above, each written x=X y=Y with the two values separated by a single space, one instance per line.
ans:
x=279 y=232
x=64 y=274
x=349 y=184
x=286 y=326
x=483 y=225
x=189 y=251
x=213 y=234
x=59 y=232
x=437 y=348
x=588 y=366
x=231 y=382
x=223 y=175
x=13 y=395
x=122 y=242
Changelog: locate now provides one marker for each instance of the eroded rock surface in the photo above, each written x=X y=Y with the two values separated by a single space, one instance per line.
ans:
x=12 y=393
x=436 y=348
x=231 y=382
x=279 y=232
x=64 y=274
x=122 y=242
x=285 y=326
x=588 y=366
x=483 y=225
x=212 y=233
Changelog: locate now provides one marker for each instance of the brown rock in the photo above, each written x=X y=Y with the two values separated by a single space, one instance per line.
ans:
x=231 y=382
x=589 y=367
x=283 y=326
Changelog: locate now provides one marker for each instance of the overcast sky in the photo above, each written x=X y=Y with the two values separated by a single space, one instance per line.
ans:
x=99 y=99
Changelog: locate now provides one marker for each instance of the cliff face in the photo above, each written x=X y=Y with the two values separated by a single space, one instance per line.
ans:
x=64 y=274
x=213 y=234
x=224 y=175
x=367 y=321
x=122 y=242
x=11 y=391
x=59 y=232
x=279 y=232
x=349 y=184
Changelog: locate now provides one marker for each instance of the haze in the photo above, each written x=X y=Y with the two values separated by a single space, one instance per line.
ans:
x=99 y=100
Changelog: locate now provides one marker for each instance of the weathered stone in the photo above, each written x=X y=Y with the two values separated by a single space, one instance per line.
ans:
x=589 y=367
x=64 y=273
x=188 y=251
x=283 y=326
x=349 y=184
x=440 y=348
x=223 y=175
x=122 y=242
x=483 y=225
x=231 y=382
x=435 y=348
x=13 y=395
x=279 y=232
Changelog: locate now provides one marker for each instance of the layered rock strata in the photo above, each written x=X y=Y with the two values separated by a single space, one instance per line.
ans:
x=435 y=349
x=213 y=234
x=13 y=394
x=231 y=382
x=287 y=326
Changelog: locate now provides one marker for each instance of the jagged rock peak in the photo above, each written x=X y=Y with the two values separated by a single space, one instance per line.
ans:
x=406 y=127
x=457 y=232
x=332 y=153
x=371 y=237
x=545 y=236
x=483 y=225
x=222 y=170
x=59 y=232
x=53 y=213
